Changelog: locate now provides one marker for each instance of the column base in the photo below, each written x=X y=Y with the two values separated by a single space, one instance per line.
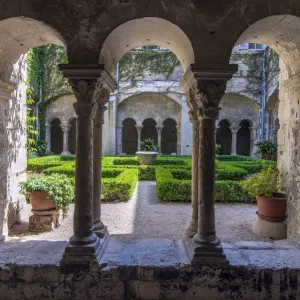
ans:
x=101 y=232
x=205 y=252
x=83 y=256
x=65 y=153
x=191 y=230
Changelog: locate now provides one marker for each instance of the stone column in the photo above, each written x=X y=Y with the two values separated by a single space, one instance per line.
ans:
x=48 y=137
x=192 y=228
x=139 y=132
x=159 y=129
x=98 y=121
x=205 y=86
x=254 y=137
x=65 y=129
x=178 y=148
x=86 y=81
x=119 y=139
x=233 y=140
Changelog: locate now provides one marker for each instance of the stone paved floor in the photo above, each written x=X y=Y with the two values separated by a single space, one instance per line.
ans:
x=144 y=216
x=147 y=233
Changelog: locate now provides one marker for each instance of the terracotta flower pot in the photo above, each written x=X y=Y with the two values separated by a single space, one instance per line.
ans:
x=272 y=209
x=266 y=156
x=41 y=205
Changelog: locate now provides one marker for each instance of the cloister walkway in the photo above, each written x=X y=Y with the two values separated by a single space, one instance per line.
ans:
x=144 y=216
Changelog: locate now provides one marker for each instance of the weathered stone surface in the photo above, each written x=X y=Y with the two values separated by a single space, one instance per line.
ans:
x=38 y=223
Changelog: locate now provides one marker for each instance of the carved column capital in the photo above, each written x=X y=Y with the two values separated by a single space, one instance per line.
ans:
x=98 y=115
x=139 y=127
x=159 y=128
x=205 y=86
x=65 y=127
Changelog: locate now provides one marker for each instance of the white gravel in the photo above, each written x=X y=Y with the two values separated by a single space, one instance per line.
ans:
x=144 y=216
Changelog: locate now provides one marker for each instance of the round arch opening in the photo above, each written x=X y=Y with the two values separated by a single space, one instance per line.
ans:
x=56 y=137
x=129 y=137
x=169 y=137
x=224 y=137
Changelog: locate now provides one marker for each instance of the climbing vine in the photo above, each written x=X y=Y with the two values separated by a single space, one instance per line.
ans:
x=138 y=62
x=44 y=80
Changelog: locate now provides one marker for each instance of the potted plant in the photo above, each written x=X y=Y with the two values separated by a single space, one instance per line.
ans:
x=148 y=153
x=267 y=149
x=266 y=187
x=48 y=194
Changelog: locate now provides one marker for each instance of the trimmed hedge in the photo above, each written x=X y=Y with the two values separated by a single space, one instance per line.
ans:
x=125 y=161
x=146 y=172
x=120 y=188
x=235 y=158
x=229 y=191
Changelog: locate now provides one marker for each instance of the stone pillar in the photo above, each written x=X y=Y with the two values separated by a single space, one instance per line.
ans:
x=233 y=140
x=48 y=137
x=178 y=148
x=139 y=131
x=119 y=139
x=65 y=129
x=193 y=226
x=254 y=137
x=159 y=129
x=84 y=246
x=98 y=121
x=205 y=86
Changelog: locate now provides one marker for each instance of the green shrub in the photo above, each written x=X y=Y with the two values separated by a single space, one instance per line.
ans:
x=235 y=158
x=229 y=172
x=149 y=145
x=266 y=147
x=125 y=161
x=40 y=166
x=170 y=162
x=181 y=174
x=227 y=191
x=146 y=172
x=67 y=157
x=120 y=188
x=264 y=183
x=170 y=189
x=58 y=186
x=67 y=168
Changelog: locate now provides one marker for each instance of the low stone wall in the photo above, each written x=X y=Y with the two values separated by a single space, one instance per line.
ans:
x=43 y=282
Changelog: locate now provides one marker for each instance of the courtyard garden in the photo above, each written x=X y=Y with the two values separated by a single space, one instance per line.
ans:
x=172 y=174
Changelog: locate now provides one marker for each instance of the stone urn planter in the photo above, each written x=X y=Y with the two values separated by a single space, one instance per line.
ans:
x=41 y=203
x=272 y=209
x=146 y=157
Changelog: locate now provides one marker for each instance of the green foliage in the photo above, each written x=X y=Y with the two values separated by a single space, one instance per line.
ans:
x=235 y=158
x=58 y=186
x=136 y=63
x=45 y=81
x=266 y=147
x=125 y=161
x=229 y=191
x=218 y=148
x=181 y=174
x=120 y=188
x=264 y=183
x=169 y=161
x=170 y=189
x=226 y=171
x=149 y=145
x=30 y=121
x=146 y=172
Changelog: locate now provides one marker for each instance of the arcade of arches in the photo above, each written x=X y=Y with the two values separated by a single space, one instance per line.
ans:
x=183 y=27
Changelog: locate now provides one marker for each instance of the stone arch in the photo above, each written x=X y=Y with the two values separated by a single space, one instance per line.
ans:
x=276 y=127
x=129 y=136
x=56 y=136
x=224 y=137
x=149 y=105
x=149 y=130
x=72 y=135
x=243 y=146
x=18 y=35
x=146 y=32
x=169 y=137
x=279 y=32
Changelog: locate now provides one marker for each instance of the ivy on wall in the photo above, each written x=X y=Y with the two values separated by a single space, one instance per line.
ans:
x=137 y=63
x=44 y=80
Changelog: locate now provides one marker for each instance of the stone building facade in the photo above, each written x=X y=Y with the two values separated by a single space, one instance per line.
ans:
x=156 y=107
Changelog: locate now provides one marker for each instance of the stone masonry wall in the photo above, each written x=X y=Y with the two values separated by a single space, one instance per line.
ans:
x=13 y=149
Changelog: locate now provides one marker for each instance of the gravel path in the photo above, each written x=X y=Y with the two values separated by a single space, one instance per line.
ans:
x=144 y=216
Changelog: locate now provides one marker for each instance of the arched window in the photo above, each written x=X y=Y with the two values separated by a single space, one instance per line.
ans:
x=169 y=137
x=224 y=137
x=149 y=130
x=72 y=136
x=56 y=137
x=243 y=138
x=129 y=136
